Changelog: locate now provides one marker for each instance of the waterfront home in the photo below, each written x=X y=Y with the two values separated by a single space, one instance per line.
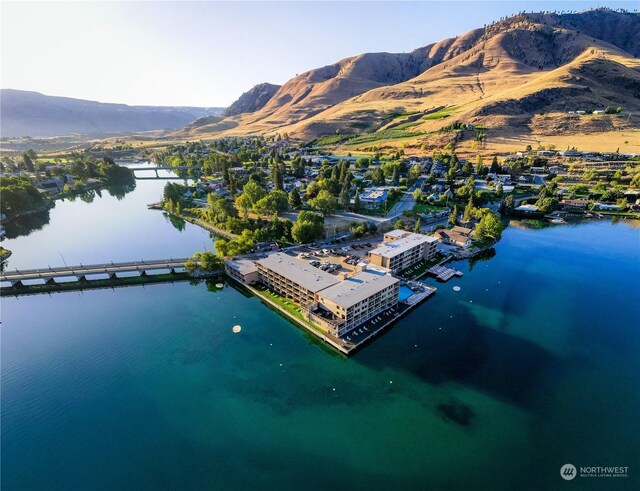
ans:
x=453 y=238
x=468 y=232
x=574 y=204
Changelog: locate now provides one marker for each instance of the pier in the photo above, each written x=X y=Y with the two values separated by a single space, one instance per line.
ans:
x=442 y=273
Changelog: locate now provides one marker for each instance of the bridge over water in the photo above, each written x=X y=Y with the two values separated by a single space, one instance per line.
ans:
x=81 y=272
x=164 y=167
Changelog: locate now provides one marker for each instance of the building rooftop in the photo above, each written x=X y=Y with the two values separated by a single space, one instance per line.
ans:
x=462 y=230
x=397 y=233
x=358 y=287
x=243 y=266
x=299 y=272
x=453 y=236
x=374 y=194
x=392 y=249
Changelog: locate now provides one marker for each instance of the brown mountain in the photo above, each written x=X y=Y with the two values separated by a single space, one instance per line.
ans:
x=513 y=77
x=252 y=100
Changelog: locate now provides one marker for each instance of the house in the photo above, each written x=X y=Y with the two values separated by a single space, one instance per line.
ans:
x=599 y=111
x=373 y=198
x=468 y=232
x=449 y=194
x=546 y=153
x=453 y=238
x=574 y=204
x=504 y=178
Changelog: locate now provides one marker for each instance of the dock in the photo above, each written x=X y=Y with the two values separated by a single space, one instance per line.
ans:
x=442 y=273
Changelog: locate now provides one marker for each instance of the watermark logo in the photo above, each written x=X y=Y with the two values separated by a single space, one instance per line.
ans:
x=568 y=472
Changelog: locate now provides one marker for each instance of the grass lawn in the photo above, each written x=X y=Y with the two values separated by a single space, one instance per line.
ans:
x=427 y=208
x=418 y=269
x=292 y=308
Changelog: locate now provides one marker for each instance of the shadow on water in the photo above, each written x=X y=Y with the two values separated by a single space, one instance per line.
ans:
x=120 y=190
x=25 y=225
x=177 y=222
x=500 y=364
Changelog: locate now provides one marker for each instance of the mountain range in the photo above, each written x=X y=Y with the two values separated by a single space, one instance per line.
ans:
x=522 y=75
x=25 y=113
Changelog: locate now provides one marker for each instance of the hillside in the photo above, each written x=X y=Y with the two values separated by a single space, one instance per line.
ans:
x=503 y=77
x=25 y=113
x=252 y=100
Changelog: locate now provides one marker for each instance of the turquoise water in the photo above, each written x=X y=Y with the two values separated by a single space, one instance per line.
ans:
x=404 y=293
x=534 y=363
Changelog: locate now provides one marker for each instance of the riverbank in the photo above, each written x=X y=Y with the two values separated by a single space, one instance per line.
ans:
x=195 y=221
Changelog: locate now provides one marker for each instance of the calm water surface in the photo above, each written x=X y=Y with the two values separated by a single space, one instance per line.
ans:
x=533 y=364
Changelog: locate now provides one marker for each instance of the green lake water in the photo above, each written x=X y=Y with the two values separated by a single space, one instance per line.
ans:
x=533 y=364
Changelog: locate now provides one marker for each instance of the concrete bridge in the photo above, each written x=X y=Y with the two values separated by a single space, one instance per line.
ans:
x=81 y=272
x=164 y=167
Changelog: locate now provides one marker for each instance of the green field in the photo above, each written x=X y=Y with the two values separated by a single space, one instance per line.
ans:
x=443 y=113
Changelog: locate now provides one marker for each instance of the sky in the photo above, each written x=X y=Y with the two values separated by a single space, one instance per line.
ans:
x=209 y=53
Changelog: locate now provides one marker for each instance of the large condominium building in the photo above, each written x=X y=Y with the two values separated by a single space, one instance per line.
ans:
x=292 y=278
x=353 y=301
x=335 y=303
x=402 y=249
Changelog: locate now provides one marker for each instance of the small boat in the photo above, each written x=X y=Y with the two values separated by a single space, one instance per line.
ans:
x=558 y=220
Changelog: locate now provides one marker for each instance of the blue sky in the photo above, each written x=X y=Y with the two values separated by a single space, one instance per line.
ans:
x=208 y=53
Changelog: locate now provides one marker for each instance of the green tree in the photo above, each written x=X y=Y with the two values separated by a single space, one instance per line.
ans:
x=295 y=201
x=414 y=174
x=489 y=227
x=274 y=202
x=377 y=177
x=324 y=202
x=495 y=167
x=254 y=192
x=27 y=162
x=453 y=216
x=244 y=204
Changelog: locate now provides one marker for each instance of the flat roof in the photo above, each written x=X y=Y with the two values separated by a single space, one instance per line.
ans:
x=243 y=266
x=392 y=249
x=397 y=233
x=358 y=287
x=299 y=272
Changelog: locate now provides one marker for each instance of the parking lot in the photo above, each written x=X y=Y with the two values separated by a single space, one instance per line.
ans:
x=336 y=257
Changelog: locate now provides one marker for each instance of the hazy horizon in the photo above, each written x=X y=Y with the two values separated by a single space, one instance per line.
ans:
x=209 y=53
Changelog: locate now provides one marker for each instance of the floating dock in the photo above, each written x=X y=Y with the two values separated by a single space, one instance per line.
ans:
x=442 y=273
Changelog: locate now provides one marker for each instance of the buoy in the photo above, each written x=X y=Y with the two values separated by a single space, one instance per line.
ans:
x=236 y=329
x=219 y=285
x=456 y=288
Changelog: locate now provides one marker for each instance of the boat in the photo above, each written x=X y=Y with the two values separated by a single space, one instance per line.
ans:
x=558 y=220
